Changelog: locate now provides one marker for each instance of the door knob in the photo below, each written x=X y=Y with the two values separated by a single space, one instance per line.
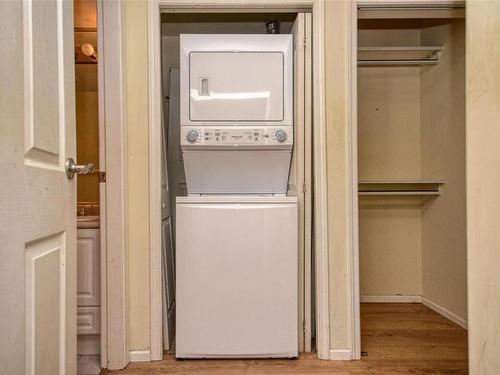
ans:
x=72 y=168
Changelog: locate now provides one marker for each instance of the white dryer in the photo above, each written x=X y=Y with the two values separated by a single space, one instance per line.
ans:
x=236 y=113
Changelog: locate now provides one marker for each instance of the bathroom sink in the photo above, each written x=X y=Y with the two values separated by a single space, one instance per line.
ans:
x=88 y=222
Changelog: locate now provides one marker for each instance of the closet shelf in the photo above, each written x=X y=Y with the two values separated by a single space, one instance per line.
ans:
x=398 y=192
x=400 y=187
x=410 y=55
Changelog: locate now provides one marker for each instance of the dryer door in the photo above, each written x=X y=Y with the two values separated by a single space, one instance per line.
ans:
x=236 y=86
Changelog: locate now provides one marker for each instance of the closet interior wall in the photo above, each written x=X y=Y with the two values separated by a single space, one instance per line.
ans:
x=411 y=126
x=174 y=24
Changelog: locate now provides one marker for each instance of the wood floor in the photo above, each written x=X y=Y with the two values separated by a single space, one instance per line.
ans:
x=397 y=338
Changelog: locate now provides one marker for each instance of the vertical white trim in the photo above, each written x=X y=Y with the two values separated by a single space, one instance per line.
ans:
x=352 y=122
x=140 y=356
x=340 y=355
x=155 y=152
x=320 y=185
x=298 y=160
x=112 y=60
x=320 y=234
x=308 y=222
x=102 y=187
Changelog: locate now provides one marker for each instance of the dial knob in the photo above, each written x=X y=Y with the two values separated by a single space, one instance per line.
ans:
x=280 y=135
x=192 y=136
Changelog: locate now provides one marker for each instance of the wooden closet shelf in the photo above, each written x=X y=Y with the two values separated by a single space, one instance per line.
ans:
x=411 y=55
x=394 y=187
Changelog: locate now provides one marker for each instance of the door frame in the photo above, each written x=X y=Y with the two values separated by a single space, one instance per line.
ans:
x=113 y=192
x=319 y=153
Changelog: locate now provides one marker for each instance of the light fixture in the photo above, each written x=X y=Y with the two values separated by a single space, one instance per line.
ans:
x=88 y=50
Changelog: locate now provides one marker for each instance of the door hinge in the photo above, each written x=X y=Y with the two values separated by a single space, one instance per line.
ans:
x=304 y=188
x=305 y=42
x=102 y=176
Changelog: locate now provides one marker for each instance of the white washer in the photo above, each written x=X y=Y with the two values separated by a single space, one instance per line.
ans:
x=236 y=280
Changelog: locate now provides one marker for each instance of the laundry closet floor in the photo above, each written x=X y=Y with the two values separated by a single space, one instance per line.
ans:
x=398 y=338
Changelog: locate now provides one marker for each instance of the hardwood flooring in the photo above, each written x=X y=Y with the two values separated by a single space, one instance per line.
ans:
x=397 y=338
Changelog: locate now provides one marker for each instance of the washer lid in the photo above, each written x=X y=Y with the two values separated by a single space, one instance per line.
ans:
x=241 y=199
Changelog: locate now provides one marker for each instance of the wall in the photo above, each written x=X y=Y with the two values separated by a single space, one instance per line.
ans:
x=336 y=33
x=390 y=248
x=483 y=179
x=337 y=61
x=444 y=248
x=136 y=34
x=411 y=125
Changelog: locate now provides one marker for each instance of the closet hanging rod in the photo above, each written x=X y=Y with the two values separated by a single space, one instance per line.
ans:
x=394 y=56
x=396 y=62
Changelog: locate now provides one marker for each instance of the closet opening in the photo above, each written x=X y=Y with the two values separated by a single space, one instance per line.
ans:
x=411 y=186
x=175 y=23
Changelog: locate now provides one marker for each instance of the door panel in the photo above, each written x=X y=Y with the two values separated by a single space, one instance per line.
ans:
x=38 y=216
x=168 y=273
x=219 y=92
x=88 y=275
x=45 y=261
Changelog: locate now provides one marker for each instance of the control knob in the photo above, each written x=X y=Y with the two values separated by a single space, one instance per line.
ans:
x=192 y=136
x=280 y=135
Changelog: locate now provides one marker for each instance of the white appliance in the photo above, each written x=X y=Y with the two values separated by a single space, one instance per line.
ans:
x=236 y=277
x=236 y=113
x=236 y=231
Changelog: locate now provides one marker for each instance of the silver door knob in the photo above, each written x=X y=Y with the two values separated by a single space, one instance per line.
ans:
x=72 y=168
x=192 y=136
x=280 y=135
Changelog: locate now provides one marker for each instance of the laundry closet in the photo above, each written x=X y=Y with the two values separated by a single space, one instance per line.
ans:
x=411 y=158
x=236 y=217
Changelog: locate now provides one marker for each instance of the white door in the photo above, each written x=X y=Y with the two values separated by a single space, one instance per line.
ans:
x=167 y=250
x=37 y=200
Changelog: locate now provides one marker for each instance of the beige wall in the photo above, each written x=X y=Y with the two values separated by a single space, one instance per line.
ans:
x=390 y=250
x=138 y=219
x=483 y=179
x=136 y=73
x=482 y=160
x=337 y=132
x=444 y=247
x=411 y=125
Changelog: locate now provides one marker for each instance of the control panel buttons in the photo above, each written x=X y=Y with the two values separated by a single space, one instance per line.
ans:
x=192 y=136
x=280 y=135
x=236 y=136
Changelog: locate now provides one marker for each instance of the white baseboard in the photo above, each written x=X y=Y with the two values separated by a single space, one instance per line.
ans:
x=393 y=298
x=446 y=313
x=340 y=354
x=140 y=356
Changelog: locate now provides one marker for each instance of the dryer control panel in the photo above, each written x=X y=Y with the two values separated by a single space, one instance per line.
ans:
x=235 y=136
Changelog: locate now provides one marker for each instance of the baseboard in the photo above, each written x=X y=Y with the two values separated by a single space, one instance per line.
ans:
x=393 y=298
x=140 y=356
x=446 y=313
x=340 y=354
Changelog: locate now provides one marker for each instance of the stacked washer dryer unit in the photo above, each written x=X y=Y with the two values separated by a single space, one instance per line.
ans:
x=236 y=253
